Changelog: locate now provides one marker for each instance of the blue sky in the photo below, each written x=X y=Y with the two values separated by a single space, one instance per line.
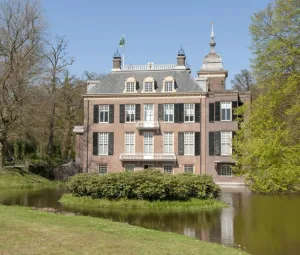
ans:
x=154 y=31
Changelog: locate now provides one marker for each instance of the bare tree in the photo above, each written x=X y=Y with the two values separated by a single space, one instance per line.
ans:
x=21 y=32
x=58 y=62
x=243 y=81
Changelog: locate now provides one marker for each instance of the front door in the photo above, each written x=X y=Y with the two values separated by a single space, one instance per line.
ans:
x=148 y=114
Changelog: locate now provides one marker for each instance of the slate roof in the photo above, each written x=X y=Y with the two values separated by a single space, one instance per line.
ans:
x=114 y=83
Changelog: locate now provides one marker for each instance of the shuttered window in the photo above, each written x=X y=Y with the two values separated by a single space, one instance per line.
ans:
x=168 y=142
x=148 y=143
x=189 y=144
x=225 y=111
x=226 y=143
x=130 y=113
x=103 y=143
x=104 y=113
x=189 y=112
x=169 y=113
x=129 y=143
x=148 y=87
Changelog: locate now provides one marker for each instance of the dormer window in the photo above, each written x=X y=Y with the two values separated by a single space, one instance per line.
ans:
x=148 y=85
x=130 y=85
x=169 y=84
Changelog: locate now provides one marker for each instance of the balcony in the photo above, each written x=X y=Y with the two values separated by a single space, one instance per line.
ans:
x=147 y=125
x=147 y=157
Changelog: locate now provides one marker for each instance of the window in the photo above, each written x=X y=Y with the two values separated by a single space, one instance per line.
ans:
x=189 y=143
x=148 y=87
x=102 y=169
x=129 y=142
x=168 y=143
x=189 y=112
x=226 y=170
x=189 y=168
x=104 y=113
x=225 y=111
x=168 y=86
x=169 y=113
x=226 y=143
x=148 y=143
x=168 y=169
x=130 y=87
x=103 y=143
x=129 y=167
x=130 y=113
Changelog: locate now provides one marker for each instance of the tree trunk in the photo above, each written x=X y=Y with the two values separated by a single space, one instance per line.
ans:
x=51 y=126
x=1 y=154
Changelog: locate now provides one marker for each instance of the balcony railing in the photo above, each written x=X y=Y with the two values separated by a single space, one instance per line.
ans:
x=147 y=125
x=147 y=157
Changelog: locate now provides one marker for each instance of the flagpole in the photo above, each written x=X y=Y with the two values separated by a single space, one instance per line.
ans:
x=124 y=51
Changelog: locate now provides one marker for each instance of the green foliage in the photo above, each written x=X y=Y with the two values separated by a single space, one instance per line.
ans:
x=268 y=144
x=149 y=185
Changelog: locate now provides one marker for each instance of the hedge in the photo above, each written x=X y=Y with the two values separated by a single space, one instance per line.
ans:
x=146 y=185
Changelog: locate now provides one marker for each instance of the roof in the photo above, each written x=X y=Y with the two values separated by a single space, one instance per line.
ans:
x=212 y=63
x=114 y=82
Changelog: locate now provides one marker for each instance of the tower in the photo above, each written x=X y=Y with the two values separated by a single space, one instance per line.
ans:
x=212 y=69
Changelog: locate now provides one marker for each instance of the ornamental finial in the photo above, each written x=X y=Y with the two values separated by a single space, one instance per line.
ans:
x=212 y=38
x=117 y=54
x=181 y=51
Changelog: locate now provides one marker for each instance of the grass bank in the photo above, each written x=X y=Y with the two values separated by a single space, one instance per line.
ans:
x=71 y=200
x=16 y=178
x=25 y=231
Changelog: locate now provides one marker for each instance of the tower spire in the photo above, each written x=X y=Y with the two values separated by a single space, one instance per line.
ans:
x=212 y=39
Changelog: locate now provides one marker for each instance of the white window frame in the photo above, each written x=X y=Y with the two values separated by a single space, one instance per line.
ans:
x=226 y=143
x=169 y=85
x=168 y=140
x=130 y=87
x=104 y=108
x=168 y=169
x=189 y=112
x=227 y=107
x=101 y=168
x=147 y=86
x=129 y=167
x=129 y=142
x=130 y=110
x=148 y=142
x=168 y=111
x=103 y=143
x=226 y=170
x=189 y=143
x=185 y=167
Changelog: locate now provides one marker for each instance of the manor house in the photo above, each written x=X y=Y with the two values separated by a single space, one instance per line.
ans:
x=159 y=116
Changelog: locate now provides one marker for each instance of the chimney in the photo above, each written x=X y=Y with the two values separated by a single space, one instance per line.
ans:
x=181 y=57
x=117 y=60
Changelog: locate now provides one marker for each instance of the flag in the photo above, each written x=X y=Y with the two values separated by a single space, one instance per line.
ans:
x=122 y=41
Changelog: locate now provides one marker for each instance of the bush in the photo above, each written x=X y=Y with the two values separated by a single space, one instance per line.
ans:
x=146 y=185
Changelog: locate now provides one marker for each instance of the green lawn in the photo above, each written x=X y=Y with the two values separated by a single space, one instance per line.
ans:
x=71 y=200
x=15 y=178
x=25 y=231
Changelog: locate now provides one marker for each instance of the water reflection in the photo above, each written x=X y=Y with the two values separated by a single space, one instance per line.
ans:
x=265 y=225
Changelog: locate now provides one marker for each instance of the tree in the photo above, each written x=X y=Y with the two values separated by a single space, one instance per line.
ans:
x=58 y=63
x=21 y=34
x=69 y=113
x=268 y=144
x=243 y=81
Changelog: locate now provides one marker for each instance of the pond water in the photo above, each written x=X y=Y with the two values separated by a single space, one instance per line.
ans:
x=264 y=225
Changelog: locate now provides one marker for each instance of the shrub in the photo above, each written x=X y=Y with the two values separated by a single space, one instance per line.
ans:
x=149 y=185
